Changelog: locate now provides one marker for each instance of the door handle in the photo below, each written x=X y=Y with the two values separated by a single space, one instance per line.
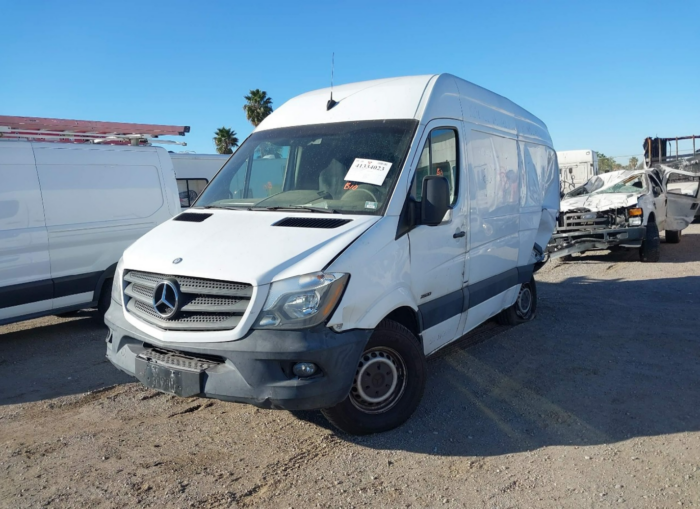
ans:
x=459 y=235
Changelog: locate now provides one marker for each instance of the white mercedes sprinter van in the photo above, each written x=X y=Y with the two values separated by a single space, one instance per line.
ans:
x=67 y=212
x=344 y=241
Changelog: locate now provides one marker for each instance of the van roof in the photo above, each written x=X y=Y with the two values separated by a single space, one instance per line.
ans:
x=418 y=97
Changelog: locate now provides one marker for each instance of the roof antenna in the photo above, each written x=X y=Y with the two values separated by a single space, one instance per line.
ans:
x=331 y=102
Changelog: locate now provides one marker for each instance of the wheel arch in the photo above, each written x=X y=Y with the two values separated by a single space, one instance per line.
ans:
x=409 y=318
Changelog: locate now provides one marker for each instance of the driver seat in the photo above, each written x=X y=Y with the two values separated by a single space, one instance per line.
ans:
x=331 y=179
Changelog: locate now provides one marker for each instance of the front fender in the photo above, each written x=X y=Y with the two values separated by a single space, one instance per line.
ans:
x=397 y=298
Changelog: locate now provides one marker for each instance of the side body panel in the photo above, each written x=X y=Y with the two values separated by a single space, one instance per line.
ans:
x=25 y=285
x=97 y=202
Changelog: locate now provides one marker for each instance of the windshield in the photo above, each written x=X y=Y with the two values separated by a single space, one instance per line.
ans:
x=634 y=184
x=597 y=185
x=345 y=167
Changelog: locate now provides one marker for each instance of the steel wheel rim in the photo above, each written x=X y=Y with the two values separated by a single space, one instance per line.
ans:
x=524 y=302
x=380 y=381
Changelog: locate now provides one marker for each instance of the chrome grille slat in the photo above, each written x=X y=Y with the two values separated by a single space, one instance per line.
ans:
x=192 y=285
x=203 y=303
x=139 y=292
x=186 y=321
x=206 y=304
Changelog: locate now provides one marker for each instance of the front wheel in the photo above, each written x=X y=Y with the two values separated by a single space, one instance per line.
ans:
x=524 y=308
x=388 y=384
x=650 y=251
x=105 y=299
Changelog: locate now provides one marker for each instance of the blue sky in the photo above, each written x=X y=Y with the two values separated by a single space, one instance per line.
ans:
x=602 y=75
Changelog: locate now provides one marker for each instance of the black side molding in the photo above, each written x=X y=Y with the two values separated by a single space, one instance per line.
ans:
x=443 y=308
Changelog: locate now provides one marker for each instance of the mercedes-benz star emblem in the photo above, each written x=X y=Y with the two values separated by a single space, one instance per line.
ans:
x=166 y=299
x=177 y=260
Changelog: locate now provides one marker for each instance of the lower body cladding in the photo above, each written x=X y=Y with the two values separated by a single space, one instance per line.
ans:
x=578 y=241
x=257 y=369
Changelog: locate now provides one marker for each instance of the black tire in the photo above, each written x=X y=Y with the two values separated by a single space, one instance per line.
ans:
x=105 y=299
x=673 y=236
x=396 y=386
x=525 y=307
x=650 y=251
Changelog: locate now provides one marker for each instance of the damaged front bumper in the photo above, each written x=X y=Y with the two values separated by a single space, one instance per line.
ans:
x=256 y=369
x=570 y=242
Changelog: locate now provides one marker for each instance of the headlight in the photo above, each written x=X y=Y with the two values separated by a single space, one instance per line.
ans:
x=117 y=282
x=635 y=216
x=301 y=302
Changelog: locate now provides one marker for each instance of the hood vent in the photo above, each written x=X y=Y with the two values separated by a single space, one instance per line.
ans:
x=311 y=222
x=191 y=217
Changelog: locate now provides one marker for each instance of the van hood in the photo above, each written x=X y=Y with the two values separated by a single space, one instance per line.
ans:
x=600 y=202
x=243 y=246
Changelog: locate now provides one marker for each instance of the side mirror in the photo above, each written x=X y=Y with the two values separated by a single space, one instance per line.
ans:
x=435 y=200
x=657 y=191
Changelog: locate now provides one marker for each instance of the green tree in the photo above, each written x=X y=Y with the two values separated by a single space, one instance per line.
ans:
x=258 y=106
x=225 y=140
x=633 y=163
x=605 y=163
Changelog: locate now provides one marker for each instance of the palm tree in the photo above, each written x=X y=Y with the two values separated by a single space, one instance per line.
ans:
x=225 y=140
x=258 y=106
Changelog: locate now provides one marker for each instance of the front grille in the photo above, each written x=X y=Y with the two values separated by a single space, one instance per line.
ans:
x=584 y=220
x=205 y=304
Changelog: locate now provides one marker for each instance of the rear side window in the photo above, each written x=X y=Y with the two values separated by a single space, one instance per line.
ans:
x=439 y=157
x=189 y=190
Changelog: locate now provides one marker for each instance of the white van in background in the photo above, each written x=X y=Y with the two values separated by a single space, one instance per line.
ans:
x=576 y=167
x=193 y=172
x=67 y=212
x=343 y=242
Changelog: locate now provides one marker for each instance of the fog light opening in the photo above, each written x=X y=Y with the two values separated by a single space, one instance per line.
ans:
x=305 y=369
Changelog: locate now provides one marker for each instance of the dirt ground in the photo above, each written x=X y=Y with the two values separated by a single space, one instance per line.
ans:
x=593 y=404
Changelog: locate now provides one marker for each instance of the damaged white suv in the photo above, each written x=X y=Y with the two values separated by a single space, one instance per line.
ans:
x=626 y=208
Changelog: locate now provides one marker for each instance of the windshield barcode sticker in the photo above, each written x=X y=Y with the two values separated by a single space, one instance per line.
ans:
x=368 y=171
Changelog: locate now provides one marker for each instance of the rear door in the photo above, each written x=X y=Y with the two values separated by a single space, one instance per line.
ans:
x=683 y=198
x=438 y=252
x=25 y=272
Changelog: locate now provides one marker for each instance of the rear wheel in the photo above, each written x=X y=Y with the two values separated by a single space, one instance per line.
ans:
x=650 y=249
x=388 y=384
x=673 y=236
x=524 y=308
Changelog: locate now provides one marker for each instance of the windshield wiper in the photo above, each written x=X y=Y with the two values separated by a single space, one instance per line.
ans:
x=300 y=207
x=218 y=207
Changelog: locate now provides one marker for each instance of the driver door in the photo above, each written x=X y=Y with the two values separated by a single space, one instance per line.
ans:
x=438 y=253
x=657 y=191
x=683 y=198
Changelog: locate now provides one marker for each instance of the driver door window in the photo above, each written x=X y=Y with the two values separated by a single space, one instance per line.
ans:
x=439 y=157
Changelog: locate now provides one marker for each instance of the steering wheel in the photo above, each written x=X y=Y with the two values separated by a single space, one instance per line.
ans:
x=358 y=190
